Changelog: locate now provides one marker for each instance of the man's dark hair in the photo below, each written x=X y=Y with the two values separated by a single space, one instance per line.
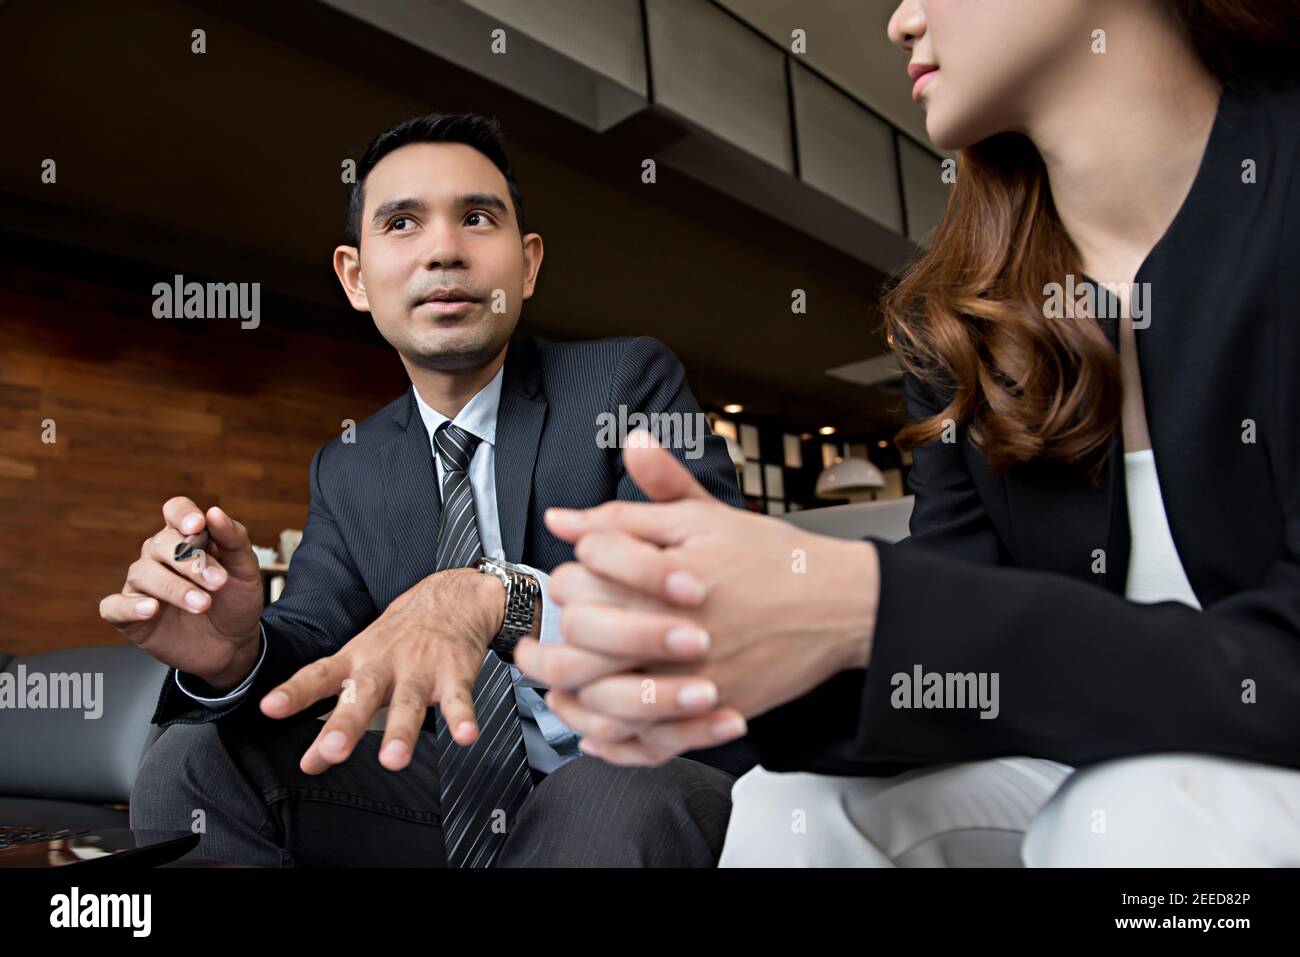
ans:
x=481 y=132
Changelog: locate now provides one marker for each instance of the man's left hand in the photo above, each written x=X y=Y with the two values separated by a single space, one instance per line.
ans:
x=426 y=648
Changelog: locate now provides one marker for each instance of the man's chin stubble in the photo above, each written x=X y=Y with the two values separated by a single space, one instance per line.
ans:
x=452 y=356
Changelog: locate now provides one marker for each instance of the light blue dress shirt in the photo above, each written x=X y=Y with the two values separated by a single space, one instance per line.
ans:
x=548 y=740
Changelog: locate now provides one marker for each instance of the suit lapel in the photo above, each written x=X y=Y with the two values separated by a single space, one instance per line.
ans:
x=1112 y=504
x=1198 y=351
x=411 y=495
x=520 y=415
x=1118 y=544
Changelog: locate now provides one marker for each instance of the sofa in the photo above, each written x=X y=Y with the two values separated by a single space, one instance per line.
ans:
x=59 y=767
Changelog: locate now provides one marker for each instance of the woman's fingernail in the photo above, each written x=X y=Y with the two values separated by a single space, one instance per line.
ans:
x=194 y=598
x=213 y=576
x=587 y=747
x=277 y=699
x=700 y=694
x=334 y=741
x=465 y=728
x=729 y=728
x=565 y=516
x=191 y=521
x=683 y=587
x=395 y=750
x=687 y=641
x=145 y=607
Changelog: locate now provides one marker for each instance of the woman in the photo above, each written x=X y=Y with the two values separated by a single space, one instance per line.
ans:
x=1073 y=646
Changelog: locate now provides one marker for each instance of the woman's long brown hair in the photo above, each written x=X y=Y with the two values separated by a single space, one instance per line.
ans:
x=966 y=317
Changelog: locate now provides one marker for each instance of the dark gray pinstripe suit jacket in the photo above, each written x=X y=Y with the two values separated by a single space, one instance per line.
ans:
x=372 y=524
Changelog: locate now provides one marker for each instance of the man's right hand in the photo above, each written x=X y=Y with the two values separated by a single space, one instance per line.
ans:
x=201 y=614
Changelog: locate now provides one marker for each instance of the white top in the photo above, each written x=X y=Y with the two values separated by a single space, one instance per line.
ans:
x=1155 y=572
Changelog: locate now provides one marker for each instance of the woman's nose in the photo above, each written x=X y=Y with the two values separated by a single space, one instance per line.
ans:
x=907 y=25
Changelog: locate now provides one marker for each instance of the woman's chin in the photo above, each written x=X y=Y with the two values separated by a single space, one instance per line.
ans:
x=946 y=133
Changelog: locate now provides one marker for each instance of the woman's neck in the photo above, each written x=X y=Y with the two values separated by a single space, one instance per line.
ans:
x=1122 y=145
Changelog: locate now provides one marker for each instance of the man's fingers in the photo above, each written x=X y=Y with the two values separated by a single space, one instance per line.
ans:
x=630 y=634
x=454 y=689
x=236 y=549
x=231 y=537
x=362 y=694
x=323 y=678
x=183 y=515
x=121 y=609
x=564 y=666
x=406 y=712
x=202 y=568
x=148 y=577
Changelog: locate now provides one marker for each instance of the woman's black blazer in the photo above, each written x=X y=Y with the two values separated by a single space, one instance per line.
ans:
x=1001 y=574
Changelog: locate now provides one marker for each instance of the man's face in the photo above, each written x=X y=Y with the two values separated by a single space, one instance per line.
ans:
x=442 y=267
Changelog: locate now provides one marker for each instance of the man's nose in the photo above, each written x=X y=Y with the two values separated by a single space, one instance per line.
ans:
x=907 y=25
x=443 y=245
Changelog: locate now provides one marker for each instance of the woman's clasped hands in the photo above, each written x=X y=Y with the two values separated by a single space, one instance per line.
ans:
x=683 y=616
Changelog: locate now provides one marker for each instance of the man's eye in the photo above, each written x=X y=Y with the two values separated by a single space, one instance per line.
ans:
x=399 y=219
x=483 y=219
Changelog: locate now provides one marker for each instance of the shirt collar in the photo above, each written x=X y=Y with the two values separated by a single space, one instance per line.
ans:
x=479 y=417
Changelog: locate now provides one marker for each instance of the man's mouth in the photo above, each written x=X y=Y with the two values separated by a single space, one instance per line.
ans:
x=445 y=302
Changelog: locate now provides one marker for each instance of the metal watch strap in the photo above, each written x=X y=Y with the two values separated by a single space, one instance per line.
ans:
x=522 y=591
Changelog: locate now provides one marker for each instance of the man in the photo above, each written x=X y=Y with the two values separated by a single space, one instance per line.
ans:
x=424 y=547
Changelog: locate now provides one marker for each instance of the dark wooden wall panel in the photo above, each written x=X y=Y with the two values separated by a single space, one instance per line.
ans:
x=146 y=409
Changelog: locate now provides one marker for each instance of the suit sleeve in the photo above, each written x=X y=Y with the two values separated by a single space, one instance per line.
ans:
x=648 y=378
x=1083 y=675
x=324 y=605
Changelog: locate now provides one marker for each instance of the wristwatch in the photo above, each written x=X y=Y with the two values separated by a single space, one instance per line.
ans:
x=523 y=594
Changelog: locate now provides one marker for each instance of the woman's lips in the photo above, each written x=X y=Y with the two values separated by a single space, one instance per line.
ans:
x=922 y=80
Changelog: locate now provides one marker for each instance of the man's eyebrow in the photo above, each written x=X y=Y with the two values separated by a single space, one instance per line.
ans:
x=407 y=204
x=490 y=200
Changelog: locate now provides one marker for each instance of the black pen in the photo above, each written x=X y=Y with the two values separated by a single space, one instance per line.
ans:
x=190 y=544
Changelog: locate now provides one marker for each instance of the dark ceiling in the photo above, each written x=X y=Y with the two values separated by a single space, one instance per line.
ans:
x=227 y=164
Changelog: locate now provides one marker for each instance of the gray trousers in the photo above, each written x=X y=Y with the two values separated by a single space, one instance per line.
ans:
x=251 y=804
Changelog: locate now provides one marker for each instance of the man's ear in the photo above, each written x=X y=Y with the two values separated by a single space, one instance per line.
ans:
x=532 y=262
x=347 y=266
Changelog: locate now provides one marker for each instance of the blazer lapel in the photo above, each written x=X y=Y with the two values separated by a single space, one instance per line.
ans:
x=1197 y=362
x=520 y=415
x=411 y=495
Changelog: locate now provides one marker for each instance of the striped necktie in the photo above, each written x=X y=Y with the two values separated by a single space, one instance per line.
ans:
x=483 y=785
